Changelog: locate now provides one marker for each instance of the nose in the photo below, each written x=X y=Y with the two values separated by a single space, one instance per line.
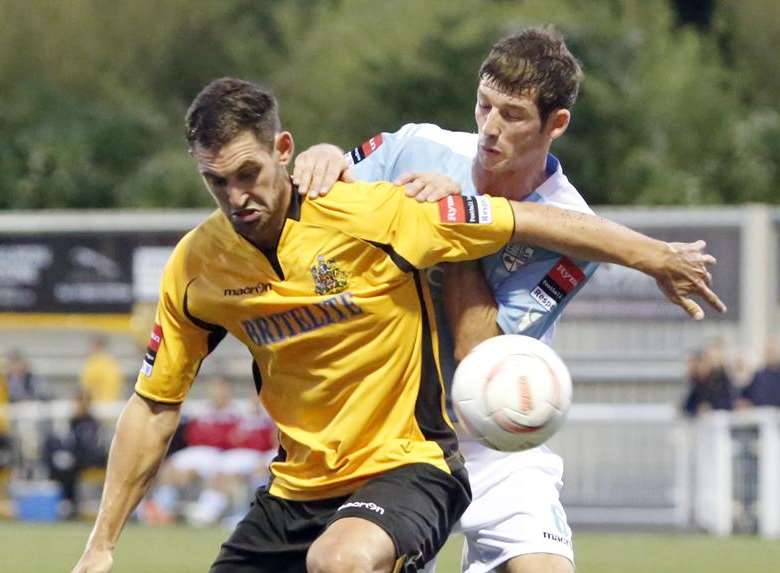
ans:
x=492 y=123
x=236 y=196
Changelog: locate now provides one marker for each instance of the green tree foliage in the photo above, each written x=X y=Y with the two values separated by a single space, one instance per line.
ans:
x=94 y=92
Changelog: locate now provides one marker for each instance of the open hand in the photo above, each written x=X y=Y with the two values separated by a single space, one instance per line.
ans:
x=428 y=186
x=318 y=168
x=686 y=273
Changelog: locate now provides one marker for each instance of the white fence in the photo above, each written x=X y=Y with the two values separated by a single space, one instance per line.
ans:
x=639 y=465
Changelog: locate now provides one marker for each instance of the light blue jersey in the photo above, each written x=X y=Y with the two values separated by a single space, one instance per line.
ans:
x=531 y=285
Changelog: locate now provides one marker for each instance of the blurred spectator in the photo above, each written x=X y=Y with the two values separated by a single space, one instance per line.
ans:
x=709 y=384
x=226 y=457
x=764 y=388
x=22 y=383
x=5 y=441
x=4 y=424
x=240 y=469
x=101 y=375
x=82 y=448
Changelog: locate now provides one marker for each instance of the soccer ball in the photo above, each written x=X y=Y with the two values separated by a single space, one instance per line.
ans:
x=511 y=392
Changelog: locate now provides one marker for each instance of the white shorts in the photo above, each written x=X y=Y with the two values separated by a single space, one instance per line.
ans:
x=208 y=462
x=516 y=508
x=203 y=460
x=242 y=461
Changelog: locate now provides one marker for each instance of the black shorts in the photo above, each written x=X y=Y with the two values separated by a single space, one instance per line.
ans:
x=417 y=505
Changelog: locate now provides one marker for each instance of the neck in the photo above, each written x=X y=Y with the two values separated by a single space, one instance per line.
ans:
x=516 y=184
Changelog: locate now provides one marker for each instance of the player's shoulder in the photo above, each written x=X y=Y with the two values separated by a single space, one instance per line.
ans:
x=432 y=135
x=201 y=244
x=357 y=196
x=558 y=191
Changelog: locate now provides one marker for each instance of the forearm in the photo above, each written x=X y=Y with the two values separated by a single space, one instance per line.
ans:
x=587 y=237
x=143 y=433
x=471 y=309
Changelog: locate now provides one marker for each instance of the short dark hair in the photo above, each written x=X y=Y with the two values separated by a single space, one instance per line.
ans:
x=535 y=61
x=228 y=106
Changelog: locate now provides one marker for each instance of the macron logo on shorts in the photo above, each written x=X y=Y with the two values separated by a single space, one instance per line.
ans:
x=371 y=506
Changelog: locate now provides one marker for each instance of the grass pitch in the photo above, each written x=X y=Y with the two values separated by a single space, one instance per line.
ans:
x=39 y=548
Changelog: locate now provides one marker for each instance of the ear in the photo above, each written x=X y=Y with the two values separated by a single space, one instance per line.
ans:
x=284 y=147
x=557 y=122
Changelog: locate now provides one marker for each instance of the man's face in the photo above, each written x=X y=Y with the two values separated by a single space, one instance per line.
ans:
x=249 y=182
x=511 y=137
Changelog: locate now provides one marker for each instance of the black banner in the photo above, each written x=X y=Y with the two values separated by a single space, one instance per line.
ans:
x=72 y=272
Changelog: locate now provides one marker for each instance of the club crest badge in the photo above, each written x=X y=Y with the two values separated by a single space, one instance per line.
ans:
x=515 y=256
x=328 y=278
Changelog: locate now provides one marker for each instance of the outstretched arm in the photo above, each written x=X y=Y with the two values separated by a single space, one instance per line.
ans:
x=680 y=269
x=143 y=433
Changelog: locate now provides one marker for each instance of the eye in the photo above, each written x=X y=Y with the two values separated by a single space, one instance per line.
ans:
x=215 y=182
x=513 y=115
x=248 y=176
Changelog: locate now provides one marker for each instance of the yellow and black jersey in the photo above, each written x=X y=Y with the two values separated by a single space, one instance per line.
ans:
x=338 y=322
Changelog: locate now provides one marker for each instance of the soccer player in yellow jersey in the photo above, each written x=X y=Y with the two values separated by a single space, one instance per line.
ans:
x=327 y=296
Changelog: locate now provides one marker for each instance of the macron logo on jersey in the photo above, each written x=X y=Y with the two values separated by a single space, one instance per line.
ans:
x=460 y=209
x=365 y=149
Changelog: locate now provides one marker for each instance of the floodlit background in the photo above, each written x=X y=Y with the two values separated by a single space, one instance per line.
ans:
x=672 y=451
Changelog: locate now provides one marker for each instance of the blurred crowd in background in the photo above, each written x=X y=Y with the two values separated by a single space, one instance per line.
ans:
x=217 y=457
x=220 y=455
x=722 y=380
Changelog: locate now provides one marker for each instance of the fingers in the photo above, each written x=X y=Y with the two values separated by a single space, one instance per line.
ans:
x=712 y=299
x=302 y=176
x=690 y=306
x=406 y=178
x=318 y=168
x=317 y=179
x=412 y=188
x=415 y=185
x=427 y=186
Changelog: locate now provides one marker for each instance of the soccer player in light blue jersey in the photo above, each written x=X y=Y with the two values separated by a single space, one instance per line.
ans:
x=527 y=86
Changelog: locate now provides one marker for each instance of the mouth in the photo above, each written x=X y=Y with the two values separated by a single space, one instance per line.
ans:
x=245 y=216
x=489 y=150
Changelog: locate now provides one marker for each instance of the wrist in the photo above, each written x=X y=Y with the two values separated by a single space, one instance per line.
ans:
x=657 y=260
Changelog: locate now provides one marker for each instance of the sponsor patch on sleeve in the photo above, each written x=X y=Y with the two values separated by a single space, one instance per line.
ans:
x=365 y=149
x=563 y=278
x=155 y=339
x=460 y=209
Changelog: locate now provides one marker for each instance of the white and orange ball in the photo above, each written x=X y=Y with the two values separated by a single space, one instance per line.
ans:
x=512 y=392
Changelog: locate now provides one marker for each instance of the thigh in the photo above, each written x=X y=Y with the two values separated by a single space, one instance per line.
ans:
x=274 y=536
x=537 y=563
x=520 y=515
x=353 y=544
x=417 y=505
